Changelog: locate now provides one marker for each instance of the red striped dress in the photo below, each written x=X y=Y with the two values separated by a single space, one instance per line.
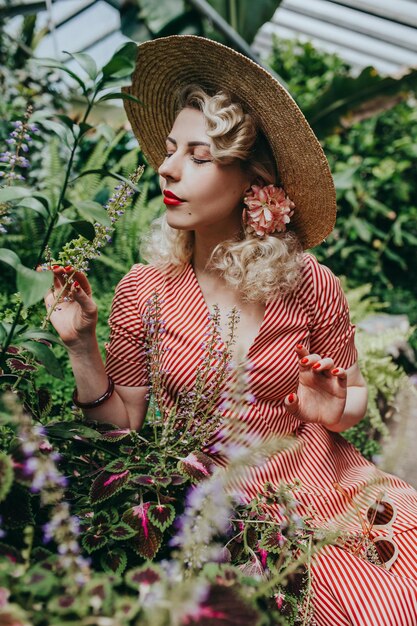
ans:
x=348 y=590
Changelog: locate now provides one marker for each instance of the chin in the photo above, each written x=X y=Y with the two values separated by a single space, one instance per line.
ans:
x=176 y=225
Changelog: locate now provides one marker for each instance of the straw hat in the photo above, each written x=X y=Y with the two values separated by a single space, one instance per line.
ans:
x=164 y=66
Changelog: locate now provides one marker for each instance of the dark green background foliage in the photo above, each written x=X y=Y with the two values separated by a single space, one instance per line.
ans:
x=375 y=167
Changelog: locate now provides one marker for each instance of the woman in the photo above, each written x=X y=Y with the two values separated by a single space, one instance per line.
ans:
x=232 y=237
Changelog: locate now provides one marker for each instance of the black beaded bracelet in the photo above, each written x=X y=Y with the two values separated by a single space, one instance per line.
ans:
x=92 y=405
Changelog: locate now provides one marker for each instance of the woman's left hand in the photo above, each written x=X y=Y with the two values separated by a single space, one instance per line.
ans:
x=321 y=393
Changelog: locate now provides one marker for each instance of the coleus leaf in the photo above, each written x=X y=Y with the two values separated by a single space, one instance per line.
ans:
x=114 y=561
x=11 y=553
x=272 y=540
x=116 y=435
x=161 y=515
x=128 y=450
x=196 y=465
x=91 y=542
x=116 y=466
x=122 y=531
x=64 y=604
x=144 y=575
x=101 y=518
x=107 y=485
x=147 y=546
x=148 y=537
x=142 y=479
x=6 y=475
x=17 y=366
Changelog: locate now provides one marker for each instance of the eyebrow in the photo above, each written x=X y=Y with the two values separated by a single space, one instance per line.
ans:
x=190 y=143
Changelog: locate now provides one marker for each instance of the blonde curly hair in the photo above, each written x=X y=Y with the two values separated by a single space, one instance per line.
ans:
x=261 y=269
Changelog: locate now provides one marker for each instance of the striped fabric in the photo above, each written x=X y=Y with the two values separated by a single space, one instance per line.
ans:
x=348 y=590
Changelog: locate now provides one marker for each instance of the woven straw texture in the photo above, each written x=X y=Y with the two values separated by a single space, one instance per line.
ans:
x=164 y=66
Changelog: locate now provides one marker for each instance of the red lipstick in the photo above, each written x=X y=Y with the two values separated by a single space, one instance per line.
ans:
x=171 y=199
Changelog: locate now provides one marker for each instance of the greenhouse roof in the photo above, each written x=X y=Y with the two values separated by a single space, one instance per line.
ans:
x=364 y=32
x=381 y=33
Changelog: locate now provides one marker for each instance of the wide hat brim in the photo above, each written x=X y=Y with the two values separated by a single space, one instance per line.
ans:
x=165 y=66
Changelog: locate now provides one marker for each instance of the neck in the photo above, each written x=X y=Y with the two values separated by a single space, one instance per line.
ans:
x=204 y=245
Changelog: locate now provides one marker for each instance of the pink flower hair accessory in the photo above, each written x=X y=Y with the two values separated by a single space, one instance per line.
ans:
x=268 y=210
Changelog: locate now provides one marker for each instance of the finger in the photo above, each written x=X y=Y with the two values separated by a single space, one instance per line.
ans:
x=340 y=373
x=79 y=277
x=83 y=298
x=292 y=404
x=308 y=361
x=301 y=350
x=323 y=366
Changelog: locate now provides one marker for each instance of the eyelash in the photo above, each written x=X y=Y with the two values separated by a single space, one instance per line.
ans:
x=196 y=161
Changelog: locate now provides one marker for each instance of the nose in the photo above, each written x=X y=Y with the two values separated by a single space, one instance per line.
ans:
x=171 y=166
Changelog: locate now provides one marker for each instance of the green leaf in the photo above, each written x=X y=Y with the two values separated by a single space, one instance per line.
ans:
x=122 y=63
x=86 y=62
x=35 y=205
x=6 y=475
x=9 y=257
x=85 y=229
x=246 y=16
x=91 y=210
x=45 y=356
x=120 y=96
x=35 y=333
x=45 y=62
x=62 y=131
x=345 y=99
x=69 y=430
x=10 y=194
x=32 y=285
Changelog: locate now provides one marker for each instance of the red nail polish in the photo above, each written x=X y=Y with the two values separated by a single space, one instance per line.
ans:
x=56 y=267
x=299 y=346
x=76 y=284
x=316 y=366
x=68 y=268
x=304 y=360
x=335 y=371
x=291 y=398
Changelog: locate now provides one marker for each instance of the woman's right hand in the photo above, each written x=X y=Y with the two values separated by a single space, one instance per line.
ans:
x=74 y=319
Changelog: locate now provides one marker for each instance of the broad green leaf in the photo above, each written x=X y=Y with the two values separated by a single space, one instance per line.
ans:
x=9 y=257
x=246 y=16
x=45 y=355
x=10 y=194
x=34 y=205
x=35 y=333
x=91 y=210
x=86 y=62
x=122 y=63
x=68 y=430
x=62 y=131
x=346 y=98
x=120 y=96
x=85 y=229
x=45 y=62
x=32 y=285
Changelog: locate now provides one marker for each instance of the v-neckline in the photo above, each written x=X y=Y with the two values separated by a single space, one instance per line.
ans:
x=203 y=300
